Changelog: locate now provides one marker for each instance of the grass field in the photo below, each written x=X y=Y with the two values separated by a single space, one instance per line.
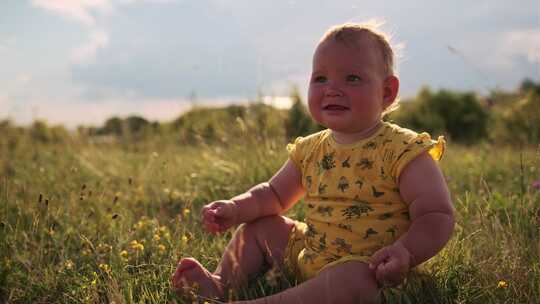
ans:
x=85 y=222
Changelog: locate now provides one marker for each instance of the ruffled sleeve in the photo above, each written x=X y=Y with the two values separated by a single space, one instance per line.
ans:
x=295 y=152
x=416 y=145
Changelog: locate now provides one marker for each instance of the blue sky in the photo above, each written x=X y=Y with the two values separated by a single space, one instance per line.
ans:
x=83 y=61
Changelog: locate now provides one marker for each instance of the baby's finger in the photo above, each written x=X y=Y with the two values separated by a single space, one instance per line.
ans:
x=223 y=211
x=388 y=274
x=212 y=227
x=209 y=216
x=380 y=273
x=378 y=257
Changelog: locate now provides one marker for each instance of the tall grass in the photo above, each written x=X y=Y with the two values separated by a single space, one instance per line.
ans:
x=83 y=222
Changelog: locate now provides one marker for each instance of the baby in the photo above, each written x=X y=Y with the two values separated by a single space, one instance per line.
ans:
x=377 y=202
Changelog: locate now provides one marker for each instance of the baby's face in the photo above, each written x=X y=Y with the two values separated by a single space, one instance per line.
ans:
x=347 y=86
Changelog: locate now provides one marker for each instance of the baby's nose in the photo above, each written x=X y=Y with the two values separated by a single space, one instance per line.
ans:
x=333 y=91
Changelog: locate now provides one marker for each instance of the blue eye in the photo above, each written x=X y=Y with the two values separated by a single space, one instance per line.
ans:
x=353 y=78
x=319 y=79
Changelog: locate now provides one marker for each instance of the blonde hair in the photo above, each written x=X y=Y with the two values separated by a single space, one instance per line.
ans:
x=348 y=33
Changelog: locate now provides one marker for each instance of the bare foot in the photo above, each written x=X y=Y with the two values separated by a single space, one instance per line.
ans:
x=191 y=278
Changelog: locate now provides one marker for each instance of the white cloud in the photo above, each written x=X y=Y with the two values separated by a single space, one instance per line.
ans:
x=85 y=11
x=7 y=44
x=79 y=10
x=86 y=53
x=23 y=78
x=516 y=44
x=526 y=43
x=4 y=106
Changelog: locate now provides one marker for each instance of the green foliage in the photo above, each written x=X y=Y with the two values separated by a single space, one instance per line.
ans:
x=113 y=125
x=299 y=122
x=519 y=123
x=459 y=115
x=88 y=218
x=228 y=124
x=132 y=126
x=528 y=85
x=40 y=132
x=70 y=214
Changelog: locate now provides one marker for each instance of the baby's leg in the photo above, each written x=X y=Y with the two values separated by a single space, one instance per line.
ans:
x=253 y=244
x=351 y=282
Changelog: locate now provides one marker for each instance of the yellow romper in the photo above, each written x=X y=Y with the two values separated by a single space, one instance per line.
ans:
x=353 y=200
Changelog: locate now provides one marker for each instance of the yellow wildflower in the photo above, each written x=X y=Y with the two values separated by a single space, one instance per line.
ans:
x=502 y=284
x=186 y=212
x=94 y=281
x=156 y=237
x=104 y=247
x=136 y=245
x=139 y=225
x=124 y=254
x=161 y=248
x=105 y=268
x=184 y=239
x=68 y=264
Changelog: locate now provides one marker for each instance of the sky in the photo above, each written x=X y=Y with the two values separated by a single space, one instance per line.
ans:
x=79 y=62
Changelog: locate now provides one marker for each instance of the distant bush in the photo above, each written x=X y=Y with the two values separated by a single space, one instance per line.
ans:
x=228 y=124
x=299 y=122
x=519 y=122
x=132 y=127
x=11 y=135
x=40 y=132
x=458 y=115
x=528 y=85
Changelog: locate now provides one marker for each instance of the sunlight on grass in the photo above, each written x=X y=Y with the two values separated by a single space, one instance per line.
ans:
x=101 y=223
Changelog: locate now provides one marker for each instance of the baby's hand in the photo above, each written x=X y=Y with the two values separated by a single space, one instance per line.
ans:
x=391 y=264
x=219 y=216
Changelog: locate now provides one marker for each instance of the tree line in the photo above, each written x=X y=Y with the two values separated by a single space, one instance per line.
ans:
x=464 y=117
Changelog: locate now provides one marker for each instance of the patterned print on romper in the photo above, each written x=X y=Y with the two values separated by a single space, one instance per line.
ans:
x=343 y=184
x=365 y=164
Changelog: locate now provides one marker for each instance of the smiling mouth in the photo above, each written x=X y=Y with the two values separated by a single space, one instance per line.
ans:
x=335 y=108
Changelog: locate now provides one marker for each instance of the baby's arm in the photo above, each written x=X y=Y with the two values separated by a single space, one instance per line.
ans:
x=277 y=195
x=423 y=187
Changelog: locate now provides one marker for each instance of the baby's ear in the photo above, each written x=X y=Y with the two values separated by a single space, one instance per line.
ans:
x=390 y=90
